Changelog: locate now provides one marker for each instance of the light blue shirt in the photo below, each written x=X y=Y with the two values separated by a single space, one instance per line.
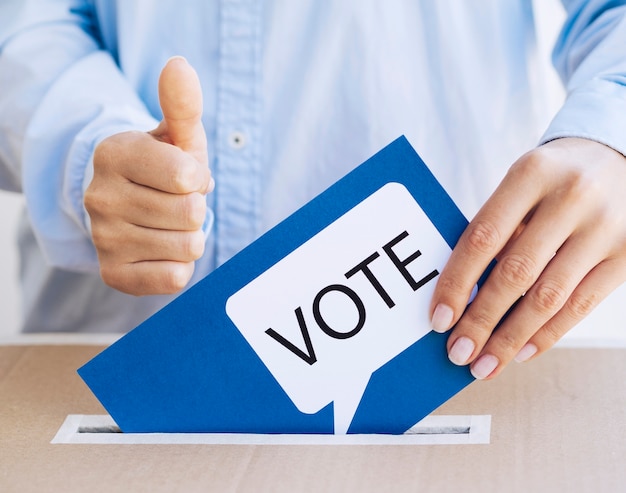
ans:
x=296 y=94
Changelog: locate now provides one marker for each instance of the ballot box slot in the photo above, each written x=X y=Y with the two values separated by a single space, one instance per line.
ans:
x=99 y=429
x=438 y=430
x=432 y=430
x=416 y=430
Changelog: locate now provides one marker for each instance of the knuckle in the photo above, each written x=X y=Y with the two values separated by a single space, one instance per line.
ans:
x=581 y=305
x=451 y=285
x=176 y=277
x=607 y=220
x=182 y=174
x=516 y=270
x=507 y=342
x=107 y=153
x=106 y=243
x=578 y=187
x=548 y=297
x=110 y=275
x=99 y=238
x=479 y=319
x=482 y=237
x=193 y=210
x=551 y=333
x=90 y=200
x=95 y=200
x=193 y=245
x=533 y=164
x=102 y=154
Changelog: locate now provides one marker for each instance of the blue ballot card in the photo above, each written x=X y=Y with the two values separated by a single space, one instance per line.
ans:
x=319 y=326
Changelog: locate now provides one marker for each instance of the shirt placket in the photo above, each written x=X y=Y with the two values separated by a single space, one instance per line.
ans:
x=238 y=128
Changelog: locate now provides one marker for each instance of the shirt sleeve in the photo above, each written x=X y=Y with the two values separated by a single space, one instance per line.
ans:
x=590 y=57
x=61 y=94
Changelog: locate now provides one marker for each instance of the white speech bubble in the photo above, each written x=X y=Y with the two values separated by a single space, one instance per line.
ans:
x=355 y=323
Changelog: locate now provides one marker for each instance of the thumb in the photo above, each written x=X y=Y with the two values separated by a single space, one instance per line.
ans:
x=180 y=96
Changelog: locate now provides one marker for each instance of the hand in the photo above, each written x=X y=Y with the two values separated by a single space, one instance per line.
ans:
x=147 y=197
x=557 y=227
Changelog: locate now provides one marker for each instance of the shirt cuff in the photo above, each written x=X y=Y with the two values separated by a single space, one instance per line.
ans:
x=594 y=111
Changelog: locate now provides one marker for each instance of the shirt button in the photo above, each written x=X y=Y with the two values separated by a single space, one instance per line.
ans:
x=237 y=140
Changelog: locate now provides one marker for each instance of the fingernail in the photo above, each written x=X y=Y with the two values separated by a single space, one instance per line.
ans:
x=526 y=352
x=442 y=318
x=461 y=350
x=177 y=57
x=484 y=366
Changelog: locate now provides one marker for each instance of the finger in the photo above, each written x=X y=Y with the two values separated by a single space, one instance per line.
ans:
x=150 y=208
x=146 y=278
x=516 y=271
x=595 y=287
x=543 y=300
x=139 y=158
x=180 y=97
x=516 y=234
x=497 y=221
x=147 y=244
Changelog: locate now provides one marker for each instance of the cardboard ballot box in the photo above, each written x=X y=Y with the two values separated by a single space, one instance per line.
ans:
x=556 y=424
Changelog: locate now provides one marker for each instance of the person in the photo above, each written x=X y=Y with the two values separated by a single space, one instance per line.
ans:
x=288 y=97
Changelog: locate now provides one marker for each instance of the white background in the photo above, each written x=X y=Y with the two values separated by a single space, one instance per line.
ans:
x=10 y=204
x=605 y=323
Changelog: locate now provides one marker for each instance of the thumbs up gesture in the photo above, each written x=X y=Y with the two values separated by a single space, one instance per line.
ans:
x=147 y=201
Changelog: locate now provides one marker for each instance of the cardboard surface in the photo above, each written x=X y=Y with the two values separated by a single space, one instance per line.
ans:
x=558 y=424
x=319 y=326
